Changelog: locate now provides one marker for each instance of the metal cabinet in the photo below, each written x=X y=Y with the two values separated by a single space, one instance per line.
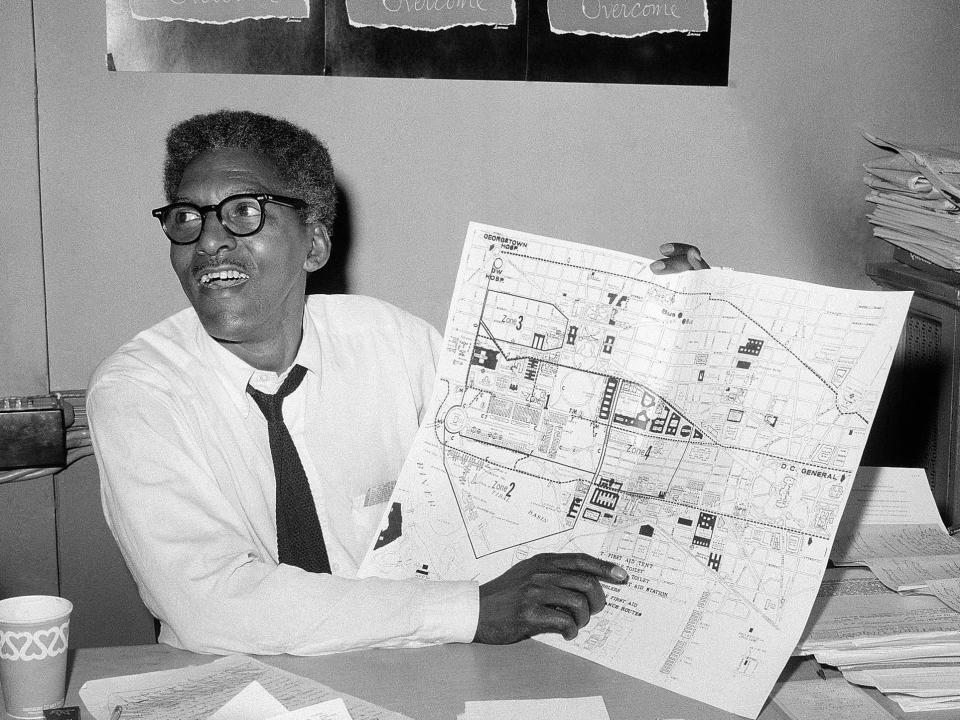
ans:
x=917 y=420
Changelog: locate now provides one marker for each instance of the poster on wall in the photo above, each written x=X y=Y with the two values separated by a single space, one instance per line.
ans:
x=681 y=42
x=280 y=37
x=450 y=39
x=686 y=42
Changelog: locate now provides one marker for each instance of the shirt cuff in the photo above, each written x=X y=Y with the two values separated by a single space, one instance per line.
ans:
x=451 y=610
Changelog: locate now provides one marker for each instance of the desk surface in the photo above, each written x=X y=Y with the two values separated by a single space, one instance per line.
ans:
x=433 y=683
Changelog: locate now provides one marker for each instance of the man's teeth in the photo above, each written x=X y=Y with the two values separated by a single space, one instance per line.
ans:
x=210 y=277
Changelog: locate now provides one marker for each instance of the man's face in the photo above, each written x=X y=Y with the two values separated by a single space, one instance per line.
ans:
x=246 y=290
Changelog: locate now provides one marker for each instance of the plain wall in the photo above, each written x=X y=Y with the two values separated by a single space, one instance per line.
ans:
x=765 y=175
x=27 y=517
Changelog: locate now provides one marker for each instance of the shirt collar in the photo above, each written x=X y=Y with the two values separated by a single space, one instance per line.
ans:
x=236 y=374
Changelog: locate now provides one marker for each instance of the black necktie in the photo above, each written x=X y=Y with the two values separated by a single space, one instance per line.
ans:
x=299 y=537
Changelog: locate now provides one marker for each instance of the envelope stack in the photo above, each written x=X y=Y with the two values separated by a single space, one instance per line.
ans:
x=916 y=197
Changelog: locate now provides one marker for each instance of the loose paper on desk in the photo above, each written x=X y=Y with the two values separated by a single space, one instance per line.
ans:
x=892 y=525
x=255 y=703
x=196 y=692
x=329 y=710
x=702 y=430
x=251 y=703
x=582 y=708
x=928 y=687
x=831 y=698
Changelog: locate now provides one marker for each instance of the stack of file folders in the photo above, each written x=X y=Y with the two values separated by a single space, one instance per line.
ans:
x=887 y=614
x=916 y=197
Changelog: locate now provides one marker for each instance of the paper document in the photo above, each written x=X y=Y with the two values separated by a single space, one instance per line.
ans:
x=912 y=703
x=892 y=526
x=939 y=166
x=928 y=687
x=856 y=618
x=251 y=703
x=886 y=496
x=197 y=692
x=898 y=171
x=702 y=430
x=922 y=682
x=328 y=710
x=832 y=698
x=584 y=708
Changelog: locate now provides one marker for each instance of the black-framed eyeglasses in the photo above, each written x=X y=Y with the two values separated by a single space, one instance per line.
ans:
x=241 y=215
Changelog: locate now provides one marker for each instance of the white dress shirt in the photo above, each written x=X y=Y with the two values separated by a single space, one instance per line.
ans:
x=189 y=491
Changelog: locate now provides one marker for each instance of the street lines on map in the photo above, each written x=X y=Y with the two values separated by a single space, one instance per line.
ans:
x=485 y=332
x=730 y=587
x=709 y=298
x=717 y=442
x=455 y=451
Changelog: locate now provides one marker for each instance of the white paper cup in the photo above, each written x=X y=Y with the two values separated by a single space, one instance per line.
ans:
x=33 y=653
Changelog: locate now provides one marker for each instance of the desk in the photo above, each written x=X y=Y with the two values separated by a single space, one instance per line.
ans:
x=432 y=683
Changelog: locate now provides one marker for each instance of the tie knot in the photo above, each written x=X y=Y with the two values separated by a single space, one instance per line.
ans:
x=271 y=405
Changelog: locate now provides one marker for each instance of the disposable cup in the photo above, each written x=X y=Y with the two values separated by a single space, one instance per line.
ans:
x=33 y=653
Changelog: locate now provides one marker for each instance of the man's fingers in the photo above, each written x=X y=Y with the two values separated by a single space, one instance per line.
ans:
x=670 y=265
x=554 y=593
x=581 y=563
x=670 y=249
x=573 y=603
x=553 y=619
x=678 y=257
x=586 y=586
x=696 y=259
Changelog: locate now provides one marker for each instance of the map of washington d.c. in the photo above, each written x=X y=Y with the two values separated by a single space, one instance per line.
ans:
x=702 y=430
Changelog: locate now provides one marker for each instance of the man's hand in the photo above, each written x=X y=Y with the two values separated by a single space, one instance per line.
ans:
x=545 y=593
x=678 y=257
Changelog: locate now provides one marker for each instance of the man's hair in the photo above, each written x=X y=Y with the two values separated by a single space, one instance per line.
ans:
x=300 y=157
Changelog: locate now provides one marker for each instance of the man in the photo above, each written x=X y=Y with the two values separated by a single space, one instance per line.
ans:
x=248 y=444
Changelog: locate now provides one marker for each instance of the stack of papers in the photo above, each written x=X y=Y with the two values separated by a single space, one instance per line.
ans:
x=916 y=197
x=892 y=525
x=914 y=688
x=905 y=643
x=858 y=621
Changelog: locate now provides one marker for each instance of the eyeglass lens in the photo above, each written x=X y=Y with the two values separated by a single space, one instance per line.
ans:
x=241 y=215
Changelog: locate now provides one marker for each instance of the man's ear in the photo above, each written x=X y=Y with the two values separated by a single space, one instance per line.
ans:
x=319 y=248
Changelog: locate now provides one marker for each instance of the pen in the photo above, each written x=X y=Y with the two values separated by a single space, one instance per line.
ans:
x=117 y=712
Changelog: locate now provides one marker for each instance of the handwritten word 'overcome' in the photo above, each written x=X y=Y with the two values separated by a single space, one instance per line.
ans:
x=432 y=5
x=615 y=11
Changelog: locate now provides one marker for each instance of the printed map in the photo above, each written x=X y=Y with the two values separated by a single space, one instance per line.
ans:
x=701 y=430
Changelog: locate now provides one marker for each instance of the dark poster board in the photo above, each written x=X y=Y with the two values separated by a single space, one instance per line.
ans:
x=663 y=58
x=685 y=42
x=270 y=45
x=477 y=52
